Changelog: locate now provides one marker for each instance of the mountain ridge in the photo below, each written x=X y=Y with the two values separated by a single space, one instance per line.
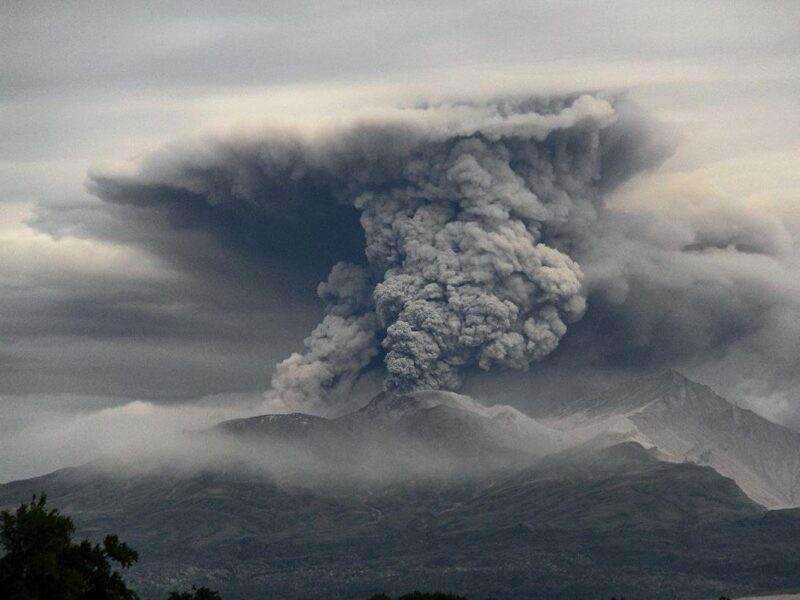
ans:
x=593 y=517
x=688 y=422
x=681 y=420
x=571 y=526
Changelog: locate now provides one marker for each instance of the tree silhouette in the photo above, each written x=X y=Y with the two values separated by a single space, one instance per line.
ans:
x=421 y=596
x=201 y=593
x=40 y=561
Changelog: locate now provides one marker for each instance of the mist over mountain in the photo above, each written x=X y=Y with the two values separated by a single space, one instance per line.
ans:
x=312 y=299
x=435 y=489
x=678 y=419
x=394 y=436
x=687 y=422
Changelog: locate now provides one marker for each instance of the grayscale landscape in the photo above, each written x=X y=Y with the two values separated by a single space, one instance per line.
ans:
x=434 y=488
x=354 y=300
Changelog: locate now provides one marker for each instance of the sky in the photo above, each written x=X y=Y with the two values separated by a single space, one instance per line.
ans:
x=108 y=300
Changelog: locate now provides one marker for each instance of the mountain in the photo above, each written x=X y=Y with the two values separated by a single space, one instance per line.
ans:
x=687 y=422
x=579 y=524
x=430 y=431
x=602 y=496
x=287 y=426
x=682 y=420
x=585 y=490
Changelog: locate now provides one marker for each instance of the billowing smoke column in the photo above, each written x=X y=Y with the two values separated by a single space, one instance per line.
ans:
x=466 y=277
x=339 y=347
x=468 y=213
x=471 y=218
x=461 y=226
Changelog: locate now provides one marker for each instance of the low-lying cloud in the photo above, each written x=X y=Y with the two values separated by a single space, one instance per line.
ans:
x=39 y=434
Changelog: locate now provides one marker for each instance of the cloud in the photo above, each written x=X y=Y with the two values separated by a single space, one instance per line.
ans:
x=484 y=229
x=40 y=433
x=682 y=273
x=684 y=269
x=466 y=213
x=338 y=349
x=85 y=82
x=91 y=303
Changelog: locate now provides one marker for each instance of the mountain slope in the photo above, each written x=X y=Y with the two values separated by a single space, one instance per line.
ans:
x=617 y=487
x=685 y=421
x=416 y=415
x=435 y=490
x=422 y=432
x=582 y=523
x=688 y=422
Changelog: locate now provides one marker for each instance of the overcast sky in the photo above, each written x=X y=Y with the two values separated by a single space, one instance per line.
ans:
x=94 y=307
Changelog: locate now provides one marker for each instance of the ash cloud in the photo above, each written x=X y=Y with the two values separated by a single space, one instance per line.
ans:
x=456 y=238
x=679 y=271
x=469 y=215
x=338 y=349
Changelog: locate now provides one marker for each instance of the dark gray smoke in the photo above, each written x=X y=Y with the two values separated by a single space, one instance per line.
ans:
x=454 y=219
x=469 y=212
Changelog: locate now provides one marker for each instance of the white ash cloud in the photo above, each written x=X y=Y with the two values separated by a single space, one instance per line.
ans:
x=455 y=233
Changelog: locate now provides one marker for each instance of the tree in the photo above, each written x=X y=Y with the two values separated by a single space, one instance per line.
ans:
x=41 y=562
x=201 y=593
x=421 y=596
x=430 y=596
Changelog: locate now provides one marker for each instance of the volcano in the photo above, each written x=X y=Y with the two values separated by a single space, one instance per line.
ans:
x=658 y=488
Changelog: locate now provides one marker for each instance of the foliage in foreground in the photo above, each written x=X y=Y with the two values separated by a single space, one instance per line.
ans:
x=41 y=562
x=421 y=596
x=201 y=593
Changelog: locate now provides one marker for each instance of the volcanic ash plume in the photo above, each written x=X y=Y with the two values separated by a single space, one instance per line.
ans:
x=471 y=216
x=467 y=213
x=338 y=348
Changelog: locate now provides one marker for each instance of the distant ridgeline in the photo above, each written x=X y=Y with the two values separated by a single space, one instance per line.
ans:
x=431 y=490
